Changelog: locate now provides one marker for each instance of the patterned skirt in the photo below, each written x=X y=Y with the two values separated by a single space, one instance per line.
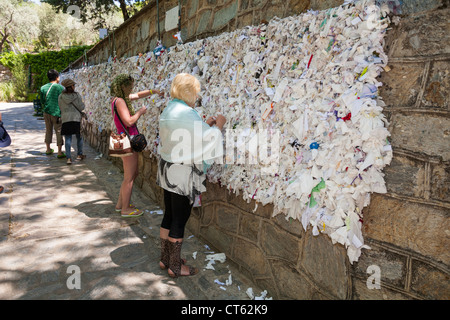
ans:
x=184 y=179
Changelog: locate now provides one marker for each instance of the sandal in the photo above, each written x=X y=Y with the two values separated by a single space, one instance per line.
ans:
x=81 y=157
x=49 y=152
x=132 y=214
x=165 y=255
x=61 y=156
x=175 y=264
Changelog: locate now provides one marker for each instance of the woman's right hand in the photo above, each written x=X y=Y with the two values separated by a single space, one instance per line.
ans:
x=211 y=121
x=142 y=110
x=220 y=121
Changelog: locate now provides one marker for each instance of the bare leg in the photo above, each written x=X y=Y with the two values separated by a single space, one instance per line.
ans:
x=120 y=198
x=48 y=148
x=130 y=164
x=164 y=233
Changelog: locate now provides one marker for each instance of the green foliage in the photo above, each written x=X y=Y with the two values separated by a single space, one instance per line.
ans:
x=16 y=89
x=6 y=91
x=19 y=80
x=9 y=59
x=31 y=97
x=40 y=64
x=44 y=61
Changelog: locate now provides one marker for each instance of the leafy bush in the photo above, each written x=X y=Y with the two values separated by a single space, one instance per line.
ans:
x=17 y=88
x=6 y=91
x=20 y=80
x=44 y=61
x=31 y=97
x=9 y=59
x=40 y=63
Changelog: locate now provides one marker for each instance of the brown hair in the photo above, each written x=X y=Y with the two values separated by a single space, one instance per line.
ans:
x=69 y=90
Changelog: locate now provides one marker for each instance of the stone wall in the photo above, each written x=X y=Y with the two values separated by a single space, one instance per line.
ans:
x=407 y=228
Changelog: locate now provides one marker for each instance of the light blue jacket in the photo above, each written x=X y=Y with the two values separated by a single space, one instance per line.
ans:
x=185 y=138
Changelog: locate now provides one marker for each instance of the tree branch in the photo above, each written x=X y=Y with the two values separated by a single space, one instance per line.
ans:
x=123 y=7
x=14 y=48
x=10 y=19
x=5 y=35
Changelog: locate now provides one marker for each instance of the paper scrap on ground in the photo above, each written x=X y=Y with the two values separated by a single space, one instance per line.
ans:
x=212 y=258
x=262 y=296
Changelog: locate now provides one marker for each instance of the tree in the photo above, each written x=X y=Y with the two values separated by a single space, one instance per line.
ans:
x=61 y=29
x=18 y=23
x=26 y=26
x=102 y=7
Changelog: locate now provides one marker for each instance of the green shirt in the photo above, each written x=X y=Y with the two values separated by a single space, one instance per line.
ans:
x=50 y=101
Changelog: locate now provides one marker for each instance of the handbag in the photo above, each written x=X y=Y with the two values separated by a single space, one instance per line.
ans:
x=5 y=139
x=119 y=144
x=138 y=142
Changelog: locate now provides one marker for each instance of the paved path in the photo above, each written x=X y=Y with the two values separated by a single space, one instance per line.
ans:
x=54 y=217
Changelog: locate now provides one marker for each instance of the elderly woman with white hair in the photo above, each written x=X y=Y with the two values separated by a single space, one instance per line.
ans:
x=186 y=144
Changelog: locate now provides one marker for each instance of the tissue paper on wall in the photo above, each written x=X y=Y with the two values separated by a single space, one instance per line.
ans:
x=308 y=80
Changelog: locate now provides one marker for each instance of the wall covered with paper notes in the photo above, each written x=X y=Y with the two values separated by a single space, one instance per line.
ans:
x=309 y=80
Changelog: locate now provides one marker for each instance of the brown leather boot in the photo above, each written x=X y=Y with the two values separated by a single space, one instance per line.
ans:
x=175 y=261
x=164 y=262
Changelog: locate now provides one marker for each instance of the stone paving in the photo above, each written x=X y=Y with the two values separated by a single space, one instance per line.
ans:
x=59 y=230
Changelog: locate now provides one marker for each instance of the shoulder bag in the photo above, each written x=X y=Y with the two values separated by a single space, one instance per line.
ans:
x=83 y=114
x=138 y=142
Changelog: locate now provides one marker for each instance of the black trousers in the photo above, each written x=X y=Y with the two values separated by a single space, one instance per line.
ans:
x=176 y=214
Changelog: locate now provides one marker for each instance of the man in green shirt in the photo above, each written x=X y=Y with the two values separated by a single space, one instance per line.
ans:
x=52 y=115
